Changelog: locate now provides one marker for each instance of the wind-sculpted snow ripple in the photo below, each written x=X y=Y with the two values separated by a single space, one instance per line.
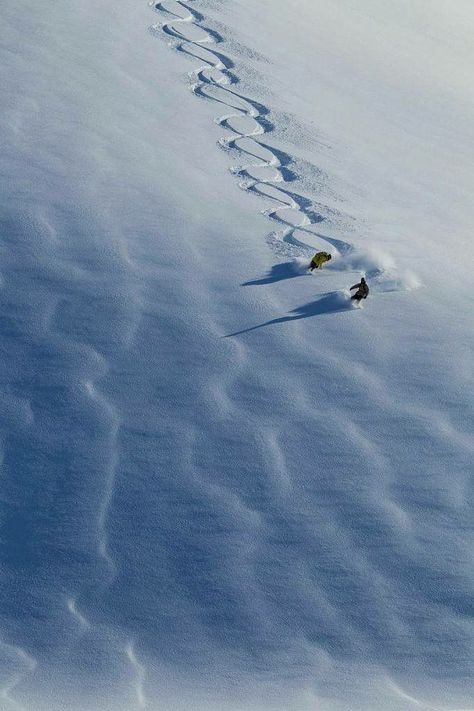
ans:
x=276 y=520
x=60 y=313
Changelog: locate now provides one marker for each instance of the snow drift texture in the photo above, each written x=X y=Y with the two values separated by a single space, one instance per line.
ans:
x=222 y=486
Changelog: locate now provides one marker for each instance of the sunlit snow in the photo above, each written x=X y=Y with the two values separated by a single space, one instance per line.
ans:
x=224 y=486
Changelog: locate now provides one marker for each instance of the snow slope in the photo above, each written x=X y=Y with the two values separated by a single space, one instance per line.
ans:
x=222 y=486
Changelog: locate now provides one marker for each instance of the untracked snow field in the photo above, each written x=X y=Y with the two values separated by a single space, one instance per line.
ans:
x=224 y=486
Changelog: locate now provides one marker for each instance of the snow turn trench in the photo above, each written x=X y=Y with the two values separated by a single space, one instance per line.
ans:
x=245 y=119
x=266 y=171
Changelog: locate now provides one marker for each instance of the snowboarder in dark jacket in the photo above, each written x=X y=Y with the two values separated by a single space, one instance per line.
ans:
x=319 y=259
x=362 y=290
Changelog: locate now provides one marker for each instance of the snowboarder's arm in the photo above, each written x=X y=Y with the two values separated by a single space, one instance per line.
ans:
x=356 y=286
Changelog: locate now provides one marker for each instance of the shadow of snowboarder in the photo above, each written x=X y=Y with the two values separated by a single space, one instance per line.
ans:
x=279 y=272
x=332 y=302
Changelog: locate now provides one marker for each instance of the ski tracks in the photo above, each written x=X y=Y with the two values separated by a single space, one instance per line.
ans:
x=264 y=170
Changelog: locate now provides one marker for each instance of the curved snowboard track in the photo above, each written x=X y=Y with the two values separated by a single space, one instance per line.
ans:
x=266 y=171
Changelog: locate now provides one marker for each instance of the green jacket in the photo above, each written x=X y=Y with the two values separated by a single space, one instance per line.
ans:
x=321 y=257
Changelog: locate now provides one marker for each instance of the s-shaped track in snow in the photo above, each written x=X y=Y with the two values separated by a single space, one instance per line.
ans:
x=267 y=170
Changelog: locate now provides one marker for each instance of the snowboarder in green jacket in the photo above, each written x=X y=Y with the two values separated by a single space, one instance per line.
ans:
x=318 y=260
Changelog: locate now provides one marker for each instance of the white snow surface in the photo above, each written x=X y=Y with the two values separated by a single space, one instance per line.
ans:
x=222 y=486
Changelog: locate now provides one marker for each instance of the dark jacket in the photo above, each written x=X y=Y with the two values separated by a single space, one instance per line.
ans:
x=362 y=290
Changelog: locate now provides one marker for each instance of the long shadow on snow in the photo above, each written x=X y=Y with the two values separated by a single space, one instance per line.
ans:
x=332 y=302
x=279 y=272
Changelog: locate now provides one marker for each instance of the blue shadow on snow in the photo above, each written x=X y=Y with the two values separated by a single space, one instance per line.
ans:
x=279 y=272
x=332 y=302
